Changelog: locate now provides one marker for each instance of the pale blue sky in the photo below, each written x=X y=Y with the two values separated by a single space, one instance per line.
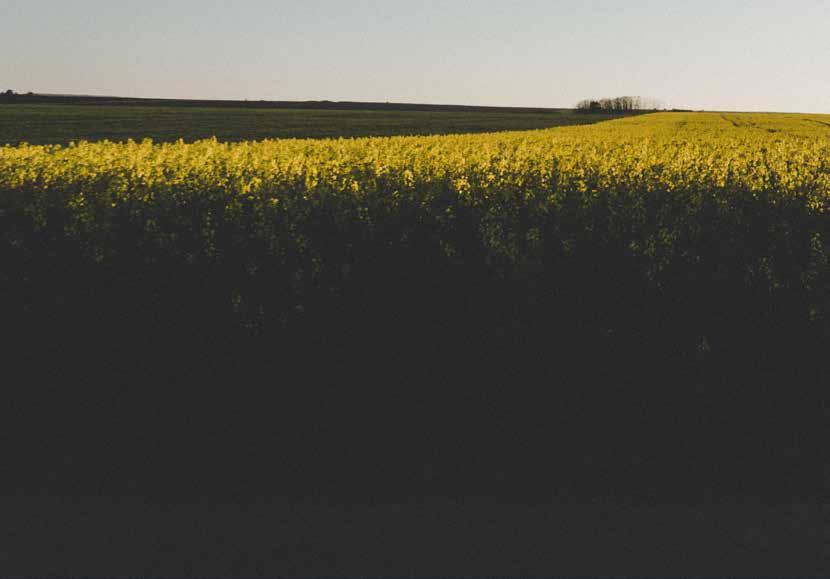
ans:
x=725 y=54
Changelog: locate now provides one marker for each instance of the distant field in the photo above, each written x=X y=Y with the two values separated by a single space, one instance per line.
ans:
x=62 y=123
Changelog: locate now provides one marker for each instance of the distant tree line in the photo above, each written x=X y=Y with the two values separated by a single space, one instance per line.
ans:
x=11 y=95
x=622 y=104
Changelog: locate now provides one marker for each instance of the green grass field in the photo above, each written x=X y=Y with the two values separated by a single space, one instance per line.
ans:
x=62 y=123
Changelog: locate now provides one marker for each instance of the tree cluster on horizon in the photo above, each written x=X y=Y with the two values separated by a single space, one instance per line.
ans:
x=621 y=104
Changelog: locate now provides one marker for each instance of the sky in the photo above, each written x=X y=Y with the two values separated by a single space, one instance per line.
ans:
x=760 y=55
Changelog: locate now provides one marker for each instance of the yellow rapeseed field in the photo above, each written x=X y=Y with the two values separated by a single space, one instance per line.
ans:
x=652 y=184
x=782 y=153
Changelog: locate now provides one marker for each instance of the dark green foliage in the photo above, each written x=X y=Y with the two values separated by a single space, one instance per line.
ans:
x=50 y=123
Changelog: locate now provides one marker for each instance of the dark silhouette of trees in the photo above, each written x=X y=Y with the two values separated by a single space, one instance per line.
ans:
x=621 y=104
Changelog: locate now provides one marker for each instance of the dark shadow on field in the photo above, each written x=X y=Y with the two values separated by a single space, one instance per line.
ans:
x=391 y=418
x=419 y=379
x=417 y=536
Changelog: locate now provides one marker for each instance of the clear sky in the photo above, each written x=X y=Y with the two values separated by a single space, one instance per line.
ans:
x=727 y=54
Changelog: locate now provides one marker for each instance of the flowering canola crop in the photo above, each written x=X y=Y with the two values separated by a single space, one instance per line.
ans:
x=660 y=188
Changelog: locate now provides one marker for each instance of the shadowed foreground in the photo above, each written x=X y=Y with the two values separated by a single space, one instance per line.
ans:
x=660 y=353
x=157 y=460
x=426 y=536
